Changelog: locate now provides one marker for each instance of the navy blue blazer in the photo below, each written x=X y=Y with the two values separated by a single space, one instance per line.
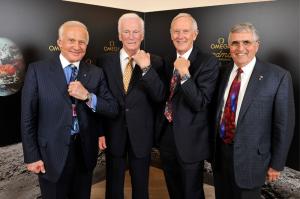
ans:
x=191 y=102
x=46 y=116
x=137 y=107
x=265 y=125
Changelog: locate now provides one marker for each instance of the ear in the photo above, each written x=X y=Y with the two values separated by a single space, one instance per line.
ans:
x=195 y=35
x=59 y=43
x=257 y=45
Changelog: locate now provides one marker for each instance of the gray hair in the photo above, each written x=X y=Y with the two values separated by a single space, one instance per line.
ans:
x=131 y=16
x=244 y=27
x=194 y=23
x=72 y=24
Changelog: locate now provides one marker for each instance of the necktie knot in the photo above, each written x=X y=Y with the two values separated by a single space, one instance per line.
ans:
x=239 y=71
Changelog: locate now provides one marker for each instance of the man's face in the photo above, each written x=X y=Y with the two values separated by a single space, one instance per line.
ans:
x=131 y=35
x=243 y=48
x=73 y=43
x=182 y=34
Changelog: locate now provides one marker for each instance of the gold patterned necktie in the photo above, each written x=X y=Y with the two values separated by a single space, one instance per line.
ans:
x=127 y=74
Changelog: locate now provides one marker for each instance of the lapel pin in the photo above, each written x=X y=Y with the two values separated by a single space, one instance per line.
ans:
x=84 y=75
x=260 y=77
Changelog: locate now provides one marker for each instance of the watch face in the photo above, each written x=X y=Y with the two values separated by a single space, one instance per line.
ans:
x=185 y=77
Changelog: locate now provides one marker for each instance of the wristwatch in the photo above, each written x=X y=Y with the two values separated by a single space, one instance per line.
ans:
x=88 y=97
x=144 y=70
x=185 y=77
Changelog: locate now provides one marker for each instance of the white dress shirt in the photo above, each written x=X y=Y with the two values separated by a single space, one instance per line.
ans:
x=124 y=58
x=245 y=77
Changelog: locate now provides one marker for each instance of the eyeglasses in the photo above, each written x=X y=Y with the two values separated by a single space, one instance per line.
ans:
x=245 y=43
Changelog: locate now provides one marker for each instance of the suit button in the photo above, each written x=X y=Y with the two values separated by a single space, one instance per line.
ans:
x=127 y=109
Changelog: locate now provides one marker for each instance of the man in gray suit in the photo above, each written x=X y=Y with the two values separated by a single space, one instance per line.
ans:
x=255 y=119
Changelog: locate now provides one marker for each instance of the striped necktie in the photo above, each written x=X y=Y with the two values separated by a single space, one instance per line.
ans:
x=127 y=74
x=75 y=124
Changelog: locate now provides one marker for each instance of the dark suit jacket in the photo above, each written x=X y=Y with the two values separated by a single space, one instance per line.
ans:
x=190 y=102
x=47 y=115
x=137 y=108
x=265 y=125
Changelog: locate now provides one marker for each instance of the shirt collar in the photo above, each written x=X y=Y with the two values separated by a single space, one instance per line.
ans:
x=185 y=55
x=247 y=69
x=123 y=55
x=64 y=62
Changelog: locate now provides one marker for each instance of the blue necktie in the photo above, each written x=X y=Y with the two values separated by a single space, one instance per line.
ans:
x=75 y=124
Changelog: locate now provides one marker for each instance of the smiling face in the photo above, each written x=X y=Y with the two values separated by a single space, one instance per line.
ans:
x=131 y=35
x=73 y=43
x=243 y=47
x=182 y=34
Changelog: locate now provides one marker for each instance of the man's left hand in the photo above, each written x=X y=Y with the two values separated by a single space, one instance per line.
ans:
x=77 y=90
x=272 y=175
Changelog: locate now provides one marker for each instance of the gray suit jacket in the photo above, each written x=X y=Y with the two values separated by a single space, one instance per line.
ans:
x=265 y=125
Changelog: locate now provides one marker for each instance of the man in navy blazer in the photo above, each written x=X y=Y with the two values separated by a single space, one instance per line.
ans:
x=183 y=133
x=61 y=120
x=263 y=126
x=129 y=137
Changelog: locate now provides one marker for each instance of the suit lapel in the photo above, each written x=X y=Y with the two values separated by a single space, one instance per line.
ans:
x=222 y=86
x=192 y=59
x=57 y=75
x=136 y=75
x=83 y=74
x=117 y=72
x=255 y=83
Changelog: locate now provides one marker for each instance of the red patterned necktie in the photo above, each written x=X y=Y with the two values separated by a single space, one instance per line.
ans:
x=168 y=109
x=227 y=127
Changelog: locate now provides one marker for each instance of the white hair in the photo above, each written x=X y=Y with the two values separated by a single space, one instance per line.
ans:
x=72 y=24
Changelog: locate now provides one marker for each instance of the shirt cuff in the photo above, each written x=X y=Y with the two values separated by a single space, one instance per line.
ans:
x=92 y=103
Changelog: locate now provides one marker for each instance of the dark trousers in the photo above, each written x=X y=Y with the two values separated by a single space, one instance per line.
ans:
x=75 y=181
x=184 y=180
x=224 y=179
x=115 y=174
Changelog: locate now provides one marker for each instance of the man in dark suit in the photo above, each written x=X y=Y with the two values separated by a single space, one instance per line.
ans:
x=255 y=119
x=130 y=135
x=60 y=117
x=184 y=131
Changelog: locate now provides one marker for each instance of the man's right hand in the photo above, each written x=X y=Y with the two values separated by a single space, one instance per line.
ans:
x=36 y=167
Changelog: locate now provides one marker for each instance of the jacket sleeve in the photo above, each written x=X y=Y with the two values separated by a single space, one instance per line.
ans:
x=199 y=89
x=29 y=117
x=283 y=122
x=152 y=80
